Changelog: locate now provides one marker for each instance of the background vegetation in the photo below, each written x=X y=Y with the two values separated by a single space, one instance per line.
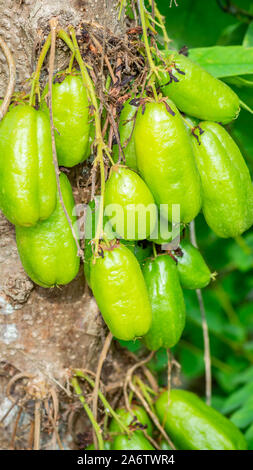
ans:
x=220 y=37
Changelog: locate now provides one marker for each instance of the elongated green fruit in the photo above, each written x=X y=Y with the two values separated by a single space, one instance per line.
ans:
x=196 y=92
x=126 y=130
x=141 y=249
x=226 y=184
x=91 y=224
x=192 y=269
x=129 y=204
x=136 y=442
x=107 y=446
x=48 y=251
x=165 y=160
x=138 y=417
x=27 y=176
x=193 y=425
x=167 y=303
x=120 y=291
x=71 y=120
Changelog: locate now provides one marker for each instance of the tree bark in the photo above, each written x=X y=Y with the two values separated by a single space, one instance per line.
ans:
x=44 y=331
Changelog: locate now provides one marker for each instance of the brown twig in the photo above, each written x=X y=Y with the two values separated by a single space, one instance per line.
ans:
x=207 y=353
x=15 y=427
x=37 y=419
x=8 y=411
x=30 y=436
x=129 y=377
x=101 y=360
x=12 y=78
x=19 y=376
x=53 y=26
x=151 y=414
x=105 y=58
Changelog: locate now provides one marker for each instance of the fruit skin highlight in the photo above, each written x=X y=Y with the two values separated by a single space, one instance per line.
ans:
x=165 y=160
x=197 y=92
x=193 y=425
x=225 y=179
x=167 y=302
x=128 y=196
x=48 y=251
x=120 y=291
x=27 y=176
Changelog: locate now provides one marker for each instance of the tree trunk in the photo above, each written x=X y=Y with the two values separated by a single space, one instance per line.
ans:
x=44 y=331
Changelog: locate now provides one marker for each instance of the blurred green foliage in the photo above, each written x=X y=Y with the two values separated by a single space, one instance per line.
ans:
x=229 y=299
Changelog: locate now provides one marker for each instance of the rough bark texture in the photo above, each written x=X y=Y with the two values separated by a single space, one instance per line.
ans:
x=44 y=331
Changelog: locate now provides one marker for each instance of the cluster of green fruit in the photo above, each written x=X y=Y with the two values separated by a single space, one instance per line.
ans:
x=190 y=423
x=170 y=158
x=28 y=190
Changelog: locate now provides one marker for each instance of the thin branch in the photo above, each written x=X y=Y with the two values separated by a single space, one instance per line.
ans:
x=129 y=377
x=37 y=420
x=151 y=414
x=207 y=353
x=12 y=78
x=94 y=423
x=53 y=25
x=101 y=360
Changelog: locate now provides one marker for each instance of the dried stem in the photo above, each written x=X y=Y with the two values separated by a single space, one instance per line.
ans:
x=129 y=377
x=101 y=360
x=207 y=353
x=80 y=373
x=37 y=419
x=151 y=414
x=36 y=77
x=94 y=423
x=12 y=78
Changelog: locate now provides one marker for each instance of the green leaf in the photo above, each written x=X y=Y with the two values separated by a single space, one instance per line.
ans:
x=192 y=363
x=240 y=81
x=244 y=416
x=238 y=398
x=194 y=22
x=244 y=376
x=235 y=332
x=224 y=61
x=232 y=34
x=240 y=132
x=242 y=257
x=248 y=38
x=245 y=314
x=249 y=437
x=133 y=346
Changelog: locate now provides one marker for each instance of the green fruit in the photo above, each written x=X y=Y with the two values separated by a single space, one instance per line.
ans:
x=167 y=302
x=91 y=224
x=196 y=92
x=141 y=249
x=165 y=160
x=163 y=232
x=107 y=446
x=164 y=445
x=27 y=175
x=48 y=251
x=71 y=120
x=126 y=125
x=129 y=204
x=133 y=419
x=120 y=291
x=192 y=269
x=193 y=425
x=226 y=184
x=136 y=442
